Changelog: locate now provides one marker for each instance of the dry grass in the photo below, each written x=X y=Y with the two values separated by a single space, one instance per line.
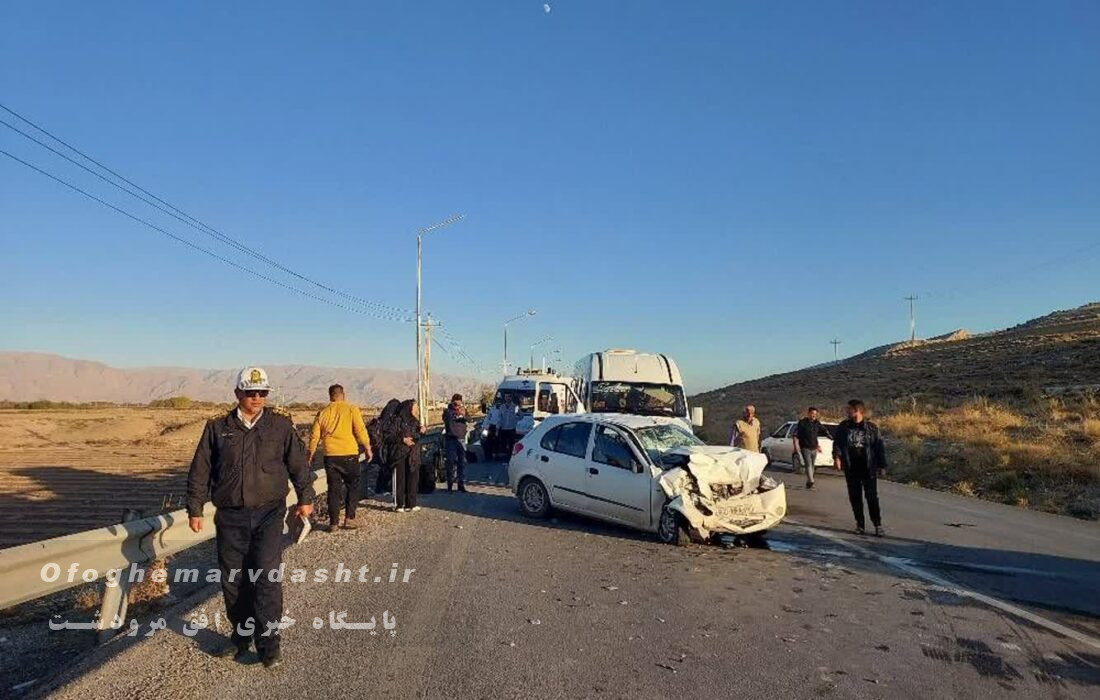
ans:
x=1041 y=454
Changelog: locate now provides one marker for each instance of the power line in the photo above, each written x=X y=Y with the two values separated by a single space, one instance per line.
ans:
x=199 y=248
x=177 y=213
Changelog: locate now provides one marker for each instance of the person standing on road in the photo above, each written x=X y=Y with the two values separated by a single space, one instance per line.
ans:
x=806 y=444
x=509 y=419
x=404 y=440
x=858 y=450
x=339 y=426
x=242 y=463
x=383 y=484
x=492 y=432
x=746 y=431
x=454 y=439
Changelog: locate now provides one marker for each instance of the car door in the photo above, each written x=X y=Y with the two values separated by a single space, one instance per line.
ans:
x=560 y=457
x=618 y=487
x=778 y=446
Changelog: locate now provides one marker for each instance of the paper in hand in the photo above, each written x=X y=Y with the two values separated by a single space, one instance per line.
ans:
x=306 y=527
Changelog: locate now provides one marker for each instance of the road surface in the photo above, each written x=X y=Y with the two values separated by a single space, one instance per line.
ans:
x=501 y=606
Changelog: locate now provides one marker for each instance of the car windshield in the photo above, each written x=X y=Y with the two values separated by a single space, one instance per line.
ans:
x=638 y=398
x=524 y=398
x=658 y=439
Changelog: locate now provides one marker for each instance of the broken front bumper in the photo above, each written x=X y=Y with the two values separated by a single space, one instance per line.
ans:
x=739 y=515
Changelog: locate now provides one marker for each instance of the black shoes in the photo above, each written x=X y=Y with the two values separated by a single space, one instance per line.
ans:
x=272 y=659
x=232 y=651
x=462 y=488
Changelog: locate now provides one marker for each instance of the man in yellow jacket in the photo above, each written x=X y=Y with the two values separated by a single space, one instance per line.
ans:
x=339 y=426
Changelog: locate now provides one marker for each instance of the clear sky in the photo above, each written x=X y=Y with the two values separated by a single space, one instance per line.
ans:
x=732 y=183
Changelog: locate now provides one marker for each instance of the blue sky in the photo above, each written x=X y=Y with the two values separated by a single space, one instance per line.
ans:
x=732 y=183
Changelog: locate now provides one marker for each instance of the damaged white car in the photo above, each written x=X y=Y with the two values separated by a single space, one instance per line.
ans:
x=646 y=472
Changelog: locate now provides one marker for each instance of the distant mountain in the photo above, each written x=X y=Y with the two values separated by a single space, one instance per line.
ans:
x=1057 y=354
x=30 y=376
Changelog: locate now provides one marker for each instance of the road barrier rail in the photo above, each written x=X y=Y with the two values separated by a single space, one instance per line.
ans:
x=27 y=572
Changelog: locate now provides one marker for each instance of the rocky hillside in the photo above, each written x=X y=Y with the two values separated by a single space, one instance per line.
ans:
x=1012 y=416
x=26 y=376
x=1056 y=355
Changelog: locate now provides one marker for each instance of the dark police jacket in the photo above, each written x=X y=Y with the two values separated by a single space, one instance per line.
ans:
x=234 y=466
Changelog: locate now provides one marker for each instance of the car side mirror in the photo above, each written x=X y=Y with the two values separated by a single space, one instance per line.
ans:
x=697 y=416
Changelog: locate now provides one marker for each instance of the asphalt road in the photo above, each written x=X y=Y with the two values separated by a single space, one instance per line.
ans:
x=500 y=606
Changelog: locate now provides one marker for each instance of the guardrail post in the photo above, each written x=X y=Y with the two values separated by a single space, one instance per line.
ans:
x=116 y=598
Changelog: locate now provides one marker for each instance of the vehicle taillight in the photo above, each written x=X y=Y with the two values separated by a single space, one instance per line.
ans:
x=517 y=449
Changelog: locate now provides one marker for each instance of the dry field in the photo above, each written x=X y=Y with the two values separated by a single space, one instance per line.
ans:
x=72 y=469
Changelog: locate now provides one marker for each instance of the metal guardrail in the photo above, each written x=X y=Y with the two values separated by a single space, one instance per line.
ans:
x=115 y=547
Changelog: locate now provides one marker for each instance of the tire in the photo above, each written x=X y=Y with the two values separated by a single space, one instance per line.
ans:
x=471 y=457
x=770 y=462
x=534 y=501
x=671 y=528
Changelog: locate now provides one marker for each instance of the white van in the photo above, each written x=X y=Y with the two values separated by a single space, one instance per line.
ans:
x=538 y=395
x=638 y=383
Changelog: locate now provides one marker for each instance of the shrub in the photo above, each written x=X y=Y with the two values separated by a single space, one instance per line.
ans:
x=172 y=402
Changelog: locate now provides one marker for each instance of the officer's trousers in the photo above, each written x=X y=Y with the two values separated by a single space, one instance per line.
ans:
x=249 y=543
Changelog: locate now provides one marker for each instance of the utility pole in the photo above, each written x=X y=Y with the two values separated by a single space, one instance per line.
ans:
x=912 y=318
x=421 y=396
x=834 y=342
x=428 y=325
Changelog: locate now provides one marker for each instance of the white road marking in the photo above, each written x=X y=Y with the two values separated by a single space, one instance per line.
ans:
x=957 y=590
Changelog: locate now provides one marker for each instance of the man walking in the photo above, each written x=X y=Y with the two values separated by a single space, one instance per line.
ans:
x=339 y=426
x=509 y=419
x=454 y=431
x=806 y=444
x=858 y=450
x=242 y=464
x=746 y=431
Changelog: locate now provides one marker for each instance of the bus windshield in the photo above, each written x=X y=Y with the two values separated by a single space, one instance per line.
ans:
x=638 y=399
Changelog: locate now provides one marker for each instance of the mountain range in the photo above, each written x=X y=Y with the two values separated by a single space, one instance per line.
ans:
x=32 y=376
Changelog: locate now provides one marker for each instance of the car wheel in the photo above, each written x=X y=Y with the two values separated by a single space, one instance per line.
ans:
x=770 y=462
x=471 y=457
x=671 y=529
x=533 y=499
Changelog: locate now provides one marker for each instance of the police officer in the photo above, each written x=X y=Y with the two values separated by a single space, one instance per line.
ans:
x=242 y=464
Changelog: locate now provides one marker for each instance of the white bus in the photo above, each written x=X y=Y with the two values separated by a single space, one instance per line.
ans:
x=638 y=383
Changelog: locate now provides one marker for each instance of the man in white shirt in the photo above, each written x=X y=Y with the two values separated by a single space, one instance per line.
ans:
x=509 y=418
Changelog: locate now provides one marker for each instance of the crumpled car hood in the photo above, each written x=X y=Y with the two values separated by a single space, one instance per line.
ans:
x=717 y=490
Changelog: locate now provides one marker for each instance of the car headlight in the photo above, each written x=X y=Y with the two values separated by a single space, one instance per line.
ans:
x=767 y=483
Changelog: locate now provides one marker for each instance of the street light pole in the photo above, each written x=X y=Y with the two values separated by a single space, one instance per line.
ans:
x=530 y=312
x=534 y=345
x=421 y=398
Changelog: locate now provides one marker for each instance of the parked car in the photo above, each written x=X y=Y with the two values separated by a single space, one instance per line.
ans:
x=779 y=446
x=645 y=472
x=475 y=445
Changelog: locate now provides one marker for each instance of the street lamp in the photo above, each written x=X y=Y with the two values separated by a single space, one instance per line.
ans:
x=524 y=315
x=534 y=345
x=420 y=397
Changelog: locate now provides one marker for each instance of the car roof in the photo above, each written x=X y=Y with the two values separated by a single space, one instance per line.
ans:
x=626 y=420
x=824 y=422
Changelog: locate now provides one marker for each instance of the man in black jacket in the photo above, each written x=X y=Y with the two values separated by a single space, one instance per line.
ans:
x=454 y=442
x=858 y=450
x=242 y=463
